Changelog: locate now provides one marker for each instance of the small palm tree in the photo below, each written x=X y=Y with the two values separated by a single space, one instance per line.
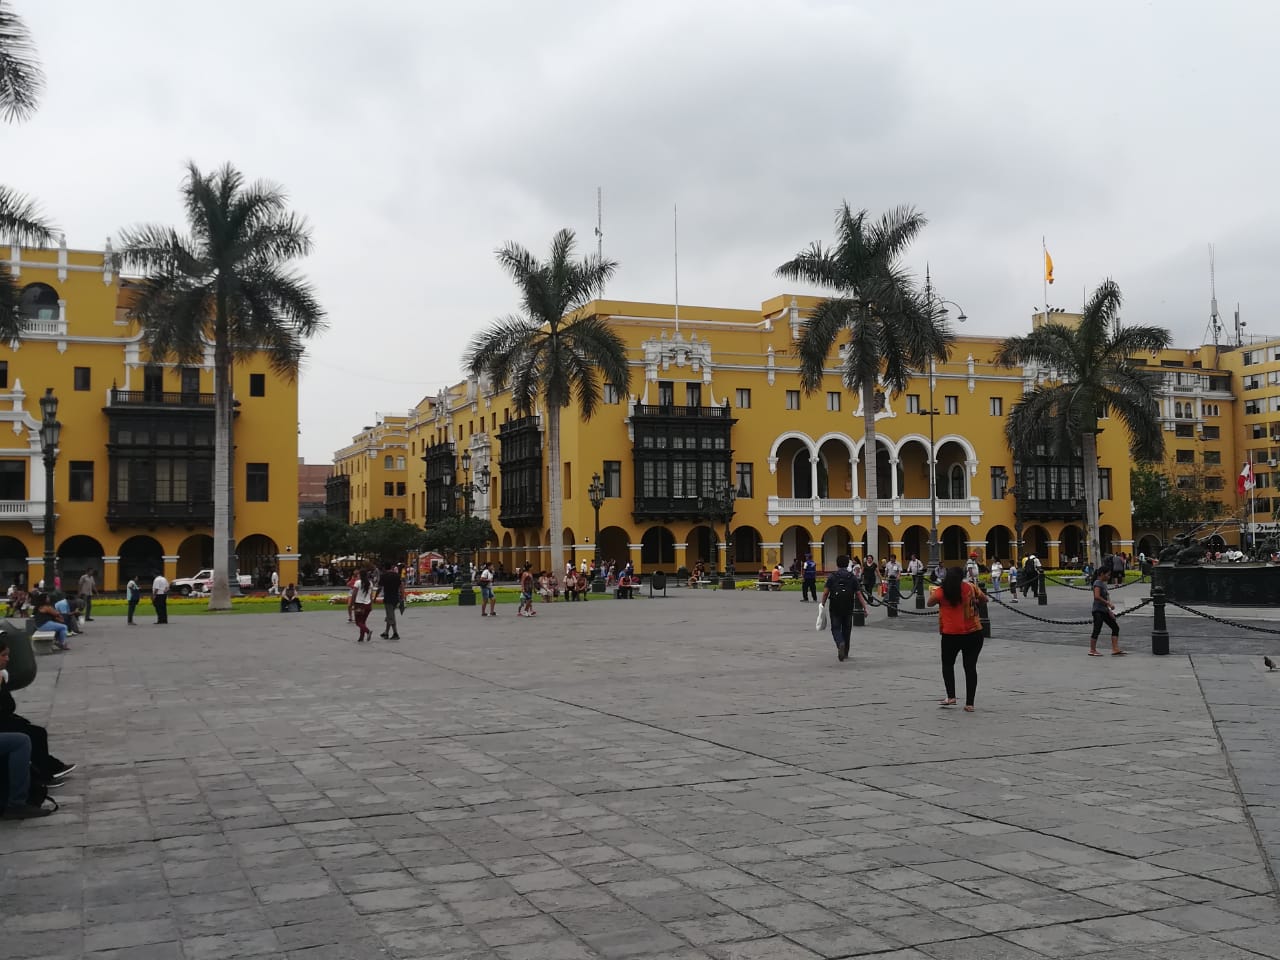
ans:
x=21 y=82
x=1093 y=374
x=891 y=330
x=228 y=282
x=551 y=351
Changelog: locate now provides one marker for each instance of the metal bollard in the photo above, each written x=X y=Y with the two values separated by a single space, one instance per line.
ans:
x=919 y=578
x=894 y=596
x=859 y=618
x=1159 y=629
x=1042 y=596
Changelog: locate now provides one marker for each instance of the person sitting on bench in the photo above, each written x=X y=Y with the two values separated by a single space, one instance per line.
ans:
x=48 y=619
x=45 y=766
x=289 y=600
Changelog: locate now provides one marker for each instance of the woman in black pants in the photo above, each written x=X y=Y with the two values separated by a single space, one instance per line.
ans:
x=961 y=630
x=1102 y=607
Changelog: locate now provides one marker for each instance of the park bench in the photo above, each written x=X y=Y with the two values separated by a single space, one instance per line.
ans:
x=43 y=639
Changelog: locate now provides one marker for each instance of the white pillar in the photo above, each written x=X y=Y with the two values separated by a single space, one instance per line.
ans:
x=893 y=477
x=813 y=475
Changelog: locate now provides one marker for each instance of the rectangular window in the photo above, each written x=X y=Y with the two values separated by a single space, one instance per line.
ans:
x=1186 y=482
x=388 y=512
x=190 y=380
x=566 y=482
x=257 y=384
x=152 y=382
x=745 y=481
x=388 y=489
x=400 y=489
x=1213 y=483
x=1213 y=457
x=833 y=401
x=913 y=403
x=952 y=405
x=793 y=399
x=996 y=406
x=4 y=374
x=744 y=398
x=1248 y=357
x=1104 y=483
x=399 y=463
x=13 y=479
x=666 y=393
x=611 y=394
x=257 y=487
x=693 y=394
x=1183 y=431
x=1186 y=456
x=613 y=478
x=388 y=462
x=81 y=480
x=999 y=482
x=81 y=378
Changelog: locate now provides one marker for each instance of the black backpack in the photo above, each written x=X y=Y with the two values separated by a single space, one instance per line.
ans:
x=840 y=594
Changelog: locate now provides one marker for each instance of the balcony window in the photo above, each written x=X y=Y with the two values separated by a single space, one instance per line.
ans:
x=913 y=403
x=793 y=399
x=257 y=384
x=257 y=482
x=999 y=482
x=693 y=395
x=952 y=405
x=995 y=406
x=153 y=382
x=399 y=463
x=744 y=398
x=666 y=393
x=833 y=401
x=744 y=480
x=81 y=378
x=613 y=478
x=38 y=301
x=190 y=380
x=81 y=474
x=611 y=393
x=13 y=479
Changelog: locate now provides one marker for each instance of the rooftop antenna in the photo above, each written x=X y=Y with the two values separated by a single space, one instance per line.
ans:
x=675 y=254
x=1240 y=325
x=1215 y=321
x=600 y=230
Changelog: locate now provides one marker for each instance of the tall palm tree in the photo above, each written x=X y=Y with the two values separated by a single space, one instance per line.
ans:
x=229 y=282
x=891 y=330
x=551 y=350
x=1093 y=375
x=21 y=82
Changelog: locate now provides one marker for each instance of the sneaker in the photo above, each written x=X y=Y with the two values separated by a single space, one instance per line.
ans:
x=66 y=769
x=24 y=812
x=383 y=636
x=483 y=614
x=49 y=784
x=395 y=636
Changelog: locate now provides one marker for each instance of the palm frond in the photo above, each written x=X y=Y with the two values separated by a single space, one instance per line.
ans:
x=822 y=327
x=11 y=320
x=894 y=231
x=21 y=79
x=495 y=351
x=815 y=266
x=20 y=219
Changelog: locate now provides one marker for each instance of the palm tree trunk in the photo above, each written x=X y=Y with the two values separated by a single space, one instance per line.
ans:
x=1089 y=456
x=870 y=457
x=220 y=589
x=555 y=511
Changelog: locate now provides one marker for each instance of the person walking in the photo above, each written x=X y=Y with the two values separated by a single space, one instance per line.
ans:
x=839 y=596
x=160 y=598
x=870 y=576
x=86 y=590
x=1102 y=613
x=526 y=593
x=390 y=588
x=362 y=595
x=1013 y=581
x=488 y=602
x=961 y=629
x=1028 y=578
x=997 y=573
x=809 y=582
x=1118 y=565
x=132 y=593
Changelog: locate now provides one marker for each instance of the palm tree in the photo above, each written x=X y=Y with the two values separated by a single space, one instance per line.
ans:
x=551 y=350
x=21 y=82
x=892 y=331
x=229 y=282
x=1092 y=374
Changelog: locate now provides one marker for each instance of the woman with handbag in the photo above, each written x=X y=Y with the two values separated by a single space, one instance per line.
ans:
x=961 y=629
x=361 y=603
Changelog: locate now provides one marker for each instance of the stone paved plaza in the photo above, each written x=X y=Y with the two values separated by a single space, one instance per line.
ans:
x=690 y=777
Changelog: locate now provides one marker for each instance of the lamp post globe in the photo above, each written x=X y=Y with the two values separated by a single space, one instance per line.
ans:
x=595 y=492
x=50 y=434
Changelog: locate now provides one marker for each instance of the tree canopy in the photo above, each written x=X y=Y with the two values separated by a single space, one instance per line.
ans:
x=458 y=532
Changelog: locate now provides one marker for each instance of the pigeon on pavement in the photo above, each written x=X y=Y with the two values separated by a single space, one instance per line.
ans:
x=1270 y=664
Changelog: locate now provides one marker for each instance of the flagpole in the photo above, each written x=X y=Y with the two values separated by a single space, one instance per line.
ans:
x=1253 y=502
x=1044 y=275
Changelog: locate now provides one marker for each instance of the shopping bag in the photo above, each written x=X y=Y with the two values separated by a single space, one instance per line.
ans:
x=823 y=623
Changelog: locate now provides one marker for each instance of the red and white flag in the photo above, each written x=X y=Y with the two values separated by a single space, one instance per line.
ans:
x=1245 y=481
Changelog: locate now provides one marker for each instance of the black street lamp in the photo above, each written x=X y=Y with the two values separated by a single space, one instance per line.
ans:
x=595 y=491
x=467 y=490
x=50 y=432
x=1164 y=510
x=724 y=499
x=935 y=552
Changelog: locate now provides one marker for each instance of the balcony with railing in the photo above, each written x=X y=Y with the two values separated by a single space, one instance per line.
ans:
x=137 y=398
x=673 y=410
x=856 y=507
x=154 y=512
x=23 y=511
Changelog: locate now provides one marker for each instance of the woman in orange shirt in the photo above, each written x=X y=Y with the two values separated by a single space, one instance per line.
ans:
x=961 y=629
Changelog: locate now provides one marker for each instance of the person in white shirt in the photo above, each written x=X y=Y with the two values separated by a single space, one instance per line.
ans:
x=487 y=598
x=275 y=583
x=160 y=598
x=997 y=571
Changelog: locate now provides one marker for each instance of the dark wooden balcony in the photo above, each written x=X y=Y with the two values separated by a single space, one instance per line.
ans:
x=1070 y=509
x=684 y=413
x=674 y=508
x=153 y=513
x=154 y=398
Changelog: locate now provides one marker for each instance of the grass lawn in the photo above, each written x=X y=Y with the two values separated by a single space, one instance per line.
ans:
x=195 y=606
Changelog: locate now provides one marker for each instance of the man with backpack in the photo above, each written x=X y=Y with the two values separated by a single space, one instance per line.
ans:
x=809 y=586
x=839 y=597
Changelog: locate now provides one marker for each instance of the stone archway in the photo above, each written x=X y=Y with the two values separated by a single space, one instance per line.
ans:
x=615 y=545
x=13 y=561
x=954 y=542
x=658 y=549
x=256 y=556
x=746 y=547
x=1000 y=543
x=76 y=556
x=141 y=557
x=194 y=554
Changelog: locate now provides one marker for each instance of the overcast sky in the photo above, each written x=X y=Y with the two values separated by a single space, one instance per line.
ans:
x=419 y=136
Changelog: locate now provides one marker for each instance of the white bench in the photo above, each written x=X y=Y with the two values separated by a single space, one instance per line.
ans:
x=44 y=637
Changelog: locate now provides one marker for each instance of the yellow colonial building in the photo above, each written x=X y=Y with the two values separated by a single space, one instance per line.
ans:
x=715 y=398
x=133 y=483
x=373 y=473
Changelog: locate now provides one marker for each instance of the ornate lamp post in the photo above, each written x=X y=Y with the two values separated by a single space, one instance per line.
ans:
x=50 y=432
x=595 y=491
x=467 y=490
x=935 y=554
x=725 y=498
